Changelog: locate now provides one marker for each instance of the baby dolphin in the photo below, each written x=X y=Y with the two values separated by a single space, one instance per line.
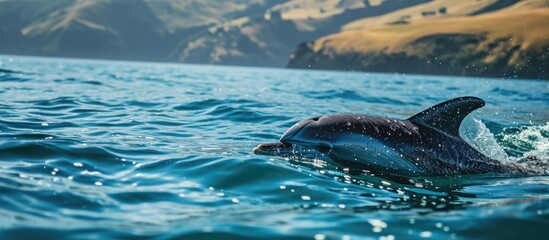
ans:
x=426 y=144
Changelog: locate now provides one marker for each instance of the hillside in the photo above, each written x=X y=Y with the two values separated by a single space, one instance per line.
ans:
x=511 y=41
x=185 y=14
x=424 y=12
x=96 y=29
x=232 y=32
x=501 y=38
x=112 y=29
x=267 y=39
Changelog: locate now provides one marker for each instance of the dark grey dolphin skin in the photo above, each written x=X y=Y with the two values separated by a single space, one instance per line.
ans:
x=426 y=144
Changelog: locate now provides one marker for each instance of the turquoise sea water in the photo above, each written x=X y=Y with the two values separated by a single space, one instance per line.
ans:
x=102 y=149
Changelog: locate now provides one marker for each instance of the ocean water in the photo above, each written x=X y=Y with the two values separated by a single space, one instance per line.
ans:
x=104 y=149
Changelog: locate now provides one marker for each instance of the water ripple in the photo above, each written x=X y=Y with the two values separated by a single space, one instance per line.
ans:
x=93 y=149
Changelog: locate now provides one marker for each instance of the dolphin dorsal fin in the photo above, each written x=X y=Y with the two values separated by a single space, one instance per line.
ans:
x=447 y=116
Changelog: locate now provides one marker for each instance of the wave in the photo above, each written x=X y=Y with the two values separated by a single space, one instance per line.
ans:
x=352 y=95
x=526 y=146
x=235 y=110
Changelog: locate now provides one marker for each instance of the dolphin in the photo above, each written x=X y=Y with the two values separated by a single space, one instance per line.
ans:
x=426 y=144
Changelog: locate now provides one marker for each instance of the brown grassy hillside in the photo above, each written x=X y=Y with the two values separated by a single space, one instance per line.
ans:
x=423 y=12
x=512 y=42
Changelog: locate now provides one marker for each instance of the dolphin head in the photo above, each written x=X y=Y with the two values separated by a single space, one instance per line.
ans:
x=319 y=131
x=316 y=133
x=291 y=141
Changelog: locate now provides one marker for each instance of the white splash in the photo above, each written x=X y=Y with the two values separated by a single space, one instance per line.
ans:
x=475 y=132
x=535 y=138
x=532 y=141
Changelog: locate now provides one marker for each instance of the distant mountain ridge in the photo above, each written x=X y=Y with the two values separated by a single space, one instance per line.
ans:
x=232 y=32
x=466 y=37
x=113 y=29
x=268 y=40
